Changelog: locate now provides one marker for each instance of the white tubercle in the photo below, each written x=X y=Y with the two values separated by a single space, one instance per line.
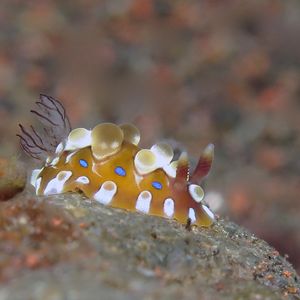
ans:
x=196 y=192
x=143 y=202
x=159 y=156
x=106 y=192
x=78 y=138
x=56 y=185
x=169 y=207
x=171 y=169
x=163 y=152
x=192 y=215
x=209 y=212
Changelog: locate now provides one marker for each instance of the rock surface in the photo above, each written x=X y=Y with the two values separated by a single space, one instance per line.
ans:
x=68 y=247
x=12 y=178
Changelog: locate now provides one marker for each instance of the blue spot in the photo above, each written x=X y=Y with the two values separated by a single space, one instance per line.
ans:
x=120 y=171
x=83 y=163
x=157 y=185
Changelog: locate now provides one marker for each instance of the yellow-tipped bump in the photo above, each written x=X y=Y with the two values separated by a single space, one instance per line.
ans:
x=131 y=134
x=107 y=139
x=145 y=161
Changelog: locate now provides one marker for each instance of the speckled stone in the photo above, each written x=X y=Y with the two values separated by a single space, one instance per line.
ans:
x=114 y=254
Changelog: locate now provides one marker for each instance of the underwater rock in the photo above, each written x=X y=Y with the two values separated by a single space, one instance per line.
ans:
x=12 y=178
x=106 y=253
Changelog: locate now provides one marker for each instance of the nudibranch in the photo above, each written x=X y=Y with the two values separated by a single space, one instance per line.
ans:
x=107 y=165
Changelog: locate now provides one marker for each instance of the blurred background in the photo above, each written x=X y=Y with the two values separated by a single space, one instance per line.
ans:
x=190 y=72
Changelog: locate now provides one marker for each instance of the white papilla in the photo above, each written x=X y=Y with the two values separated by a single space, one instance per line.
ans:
x=83 y=180
x=192 y=215
x=169 y=207
x=106 y=192
x=209 y=212
x=143 y=202
x=34 y=175
x=56 y=185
